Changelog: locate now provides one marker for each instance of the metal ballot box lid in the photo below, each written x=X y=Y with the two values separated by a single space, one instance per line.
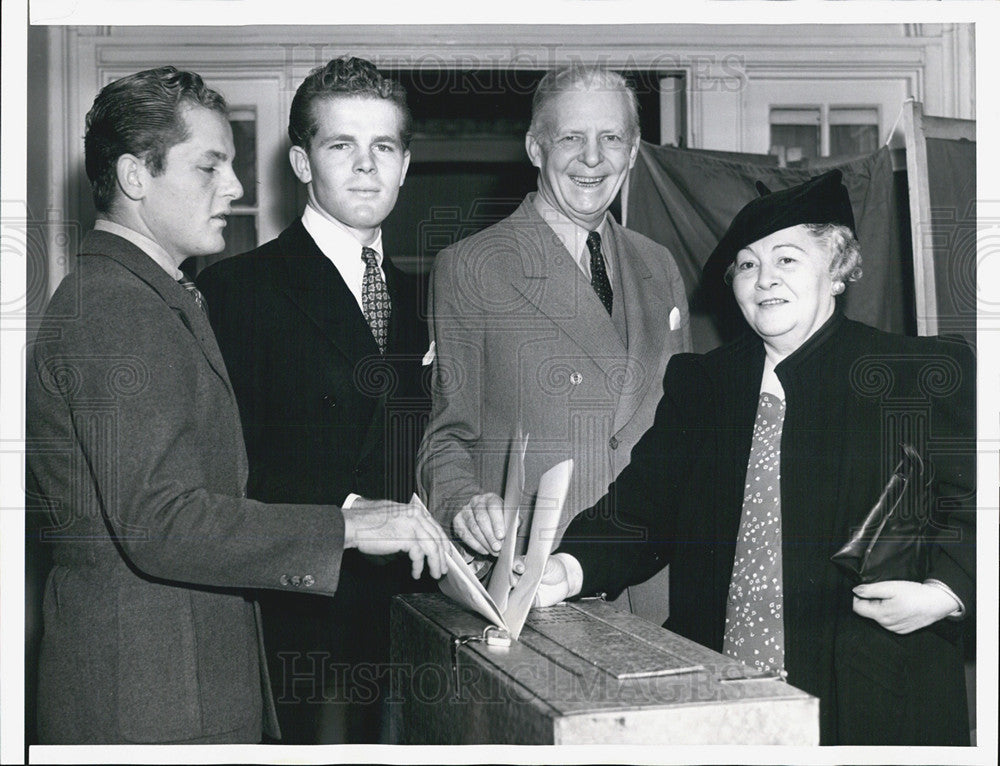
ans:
x=581 y=673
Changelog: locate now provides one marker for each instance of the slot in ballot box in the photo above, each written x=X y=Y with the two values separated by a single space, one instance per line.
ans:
x=581 y=673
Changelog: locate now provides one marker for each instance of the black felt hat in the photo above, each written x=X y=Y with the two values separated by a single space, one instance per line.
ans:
x=822 y=199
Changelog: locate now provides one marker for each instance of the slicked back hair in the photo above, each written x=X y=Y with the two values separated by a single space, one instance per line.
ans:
x=142 y=114
x=343 y=77
x=582 y=77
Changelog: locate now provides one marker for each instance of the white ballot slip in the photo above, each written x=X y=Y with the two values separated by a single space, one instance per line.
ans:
x=500 y=578
x=552 y=489
x=461 y=584
x=505 y=606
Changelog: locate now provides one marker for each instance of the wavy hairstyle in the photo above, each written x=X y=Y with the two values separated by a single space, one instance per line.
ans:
x=141 y=114
x=351 y=77
x=840 y=243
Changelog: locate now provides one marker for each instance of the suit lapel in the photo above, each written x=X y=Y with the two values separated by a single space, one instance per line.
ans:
x=102 y=243
x=315 y=286
x=646 y=320
x=551 y=281
x=311 y=281
x=394 y=279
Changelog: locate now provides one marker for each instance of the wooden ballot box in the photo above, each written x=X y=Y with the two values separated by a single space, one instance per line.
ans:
x=581 y=673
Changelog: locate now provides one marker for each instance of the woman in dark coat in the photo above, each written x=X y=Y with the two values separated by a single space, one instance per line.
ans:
x=763 y=457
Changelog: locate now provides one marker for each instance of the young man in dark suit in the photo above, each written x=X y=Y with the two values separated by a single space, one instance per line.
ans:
x=135 y=450
x=324 y=340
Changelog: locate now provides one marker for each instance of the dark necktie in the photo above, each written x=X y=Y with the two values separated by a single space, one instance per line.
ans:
x=599 y=272
x=375 y=298
x=195 y=293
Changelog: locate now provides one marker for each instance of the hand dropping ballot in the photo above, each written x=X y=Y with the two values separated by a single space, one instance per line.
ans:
x=504 y=605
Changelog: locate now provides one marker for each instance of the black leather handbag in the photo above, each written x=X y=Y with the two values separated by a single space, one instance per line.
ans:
x=892 y=542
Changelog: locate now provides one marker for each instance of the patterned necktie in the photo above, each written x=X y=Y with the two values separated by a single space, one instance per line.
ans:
x=195 y=293
x=375 y=298
x=755 y=627
x=598 y=272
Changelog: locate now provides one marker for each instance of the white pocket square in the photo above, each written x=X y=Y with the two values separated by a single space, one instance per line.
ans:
x=675 y=318
x=429 y=356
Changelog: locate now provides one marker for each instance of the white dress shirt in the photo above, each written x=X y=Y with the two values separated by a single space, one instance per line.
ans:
x=342 y=248
x=574 y=237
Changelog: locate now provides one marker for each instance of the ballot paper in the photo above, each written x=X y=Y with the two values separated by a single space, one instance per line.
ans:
x=504 y=605
x=552 y=488
x=500 y=579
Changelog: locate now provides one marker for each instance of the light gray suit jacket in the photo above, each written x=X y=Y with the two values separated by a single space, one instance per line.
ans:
x=521 y=338
x=135 y=450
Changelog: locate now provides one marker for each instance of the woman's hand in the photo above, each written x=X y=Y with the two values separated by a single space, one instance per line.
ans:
x=903 y=606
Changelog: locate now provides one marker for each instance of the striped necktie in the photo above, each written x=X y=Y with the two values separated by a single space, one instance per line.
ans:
x=195 y=293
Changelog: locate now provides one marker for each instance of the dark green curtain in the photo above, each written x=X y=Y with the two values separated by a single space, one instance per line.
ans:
x=685 y=199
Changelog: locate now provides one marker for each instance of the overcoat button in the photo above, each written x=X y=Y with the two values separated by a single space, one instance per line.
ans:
x=613 y=442
x=576 y=378
x=283 y=579
x=296 y=580
x=308 y=581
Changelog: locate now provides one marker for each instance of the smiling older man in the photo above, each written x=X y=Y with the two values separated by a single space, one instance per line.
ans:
x=556 y=319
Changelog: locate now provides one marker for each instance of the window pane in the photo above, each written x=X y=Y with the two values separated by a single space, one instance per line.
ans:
x=853 y=139
x=244 y=123
x=795 y=133
x=842 y=115
x=795 y=142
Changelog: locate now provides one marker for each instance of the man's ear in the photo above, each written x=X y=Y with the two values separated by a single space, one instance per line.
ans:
x=299 y=159
x=634 y=153
x=406 y=165
x=534 y=149
x=132 y=176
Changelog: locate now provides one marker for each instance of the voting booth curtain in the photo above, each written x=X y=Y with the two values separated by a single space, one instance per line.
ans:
x=951 y=233
x=685 y=199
